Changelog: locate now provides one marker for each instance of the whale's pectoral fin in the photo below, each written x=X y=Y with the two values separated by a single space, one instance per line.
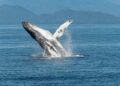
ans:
x=60 y=31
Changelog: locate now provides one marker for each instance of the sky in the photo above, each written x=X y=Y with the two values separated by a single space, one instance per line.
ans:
x=50 y=6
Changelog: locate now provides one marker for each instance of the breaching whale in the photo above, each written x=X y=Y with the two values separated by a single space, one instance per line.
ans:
x=48 y=41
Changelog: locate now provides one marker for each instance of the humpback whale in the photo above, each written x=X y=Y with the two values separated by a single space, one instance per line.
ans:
x=48 y=41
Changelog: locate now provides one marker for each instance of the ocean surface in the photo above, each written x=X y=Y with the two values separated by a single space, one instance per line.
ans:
x=99 y=45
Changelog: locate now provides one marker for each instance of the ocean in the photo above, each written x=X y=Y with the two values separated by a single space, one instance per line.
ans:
x=99 y=45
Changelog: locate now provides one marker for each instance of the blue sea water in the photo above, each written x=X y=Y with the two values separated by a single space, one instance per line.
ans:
x=100 y=66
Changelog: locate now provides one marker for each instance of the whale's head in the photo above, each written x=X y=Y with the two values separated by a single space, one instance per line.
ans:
x=36 y=31
x=28 y=27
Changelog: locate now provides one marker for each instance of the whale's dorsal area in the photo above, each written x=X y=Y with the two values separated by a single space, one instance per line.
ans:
x=48 y=41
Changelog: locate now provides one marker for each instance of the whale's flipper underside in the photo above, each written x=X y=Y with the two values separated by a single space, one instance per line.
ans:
x=60 y=31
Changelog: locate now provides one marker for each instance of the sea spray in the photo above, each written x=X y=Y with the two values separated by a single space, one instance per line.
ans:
x=68 y=43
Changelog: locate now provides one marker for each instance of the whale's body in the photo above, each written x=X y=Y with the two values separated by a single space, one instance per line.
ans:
x=48 y=41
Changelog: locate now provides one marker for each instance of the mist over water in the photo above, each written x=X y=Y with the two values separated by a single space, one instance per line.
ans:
x=68 y=42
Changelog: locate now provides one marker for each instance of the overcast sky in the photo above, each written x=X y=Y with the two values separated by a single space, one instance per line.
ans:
x=49 y=6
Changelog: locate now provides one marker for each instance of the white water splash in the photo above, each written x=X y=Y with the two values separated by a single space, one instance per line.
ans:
x=68 y=43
